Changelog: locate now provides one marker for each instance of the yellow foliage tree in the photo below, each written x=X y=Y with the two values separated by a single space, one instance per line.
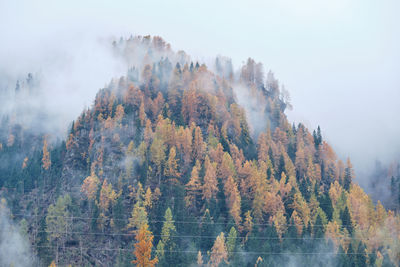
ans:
x=143 y=247
x=219 y=252
x=209 y=187
x=46 y=156
x=233 y=199
x=90 y=186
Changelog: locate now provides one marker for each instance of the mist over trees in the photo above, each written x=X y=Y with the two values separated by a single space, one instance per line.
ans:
x=178 y=163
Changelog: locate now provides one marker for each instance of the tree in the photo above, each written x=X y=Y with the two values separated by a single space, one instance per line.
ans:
x=90 y=186
x=279 y=221
x=193 y=189
x=199 y=259
x=341 y=257
x=386 y=261
x=233 y=199
x=130 y=157
x=319 y=227
x=143 y=247
x=210 y=187
x=207 y=228
x=350 y=256
x=157 y=150
x=219 y=251
x=226 y=168
x=348 y=175
x=46 y=156
x=231 y=242
x=148 y=198
x=166 y=246
x=361 y=257
x=138 y=217
x=56 y=221
x=248 y=222
x=198 y=144
x=107 y=196
x=171 y=166
x=346 y=220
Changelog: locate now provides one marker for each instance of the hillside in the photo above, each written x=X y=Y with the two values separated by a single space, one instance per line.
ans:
x=199 y=161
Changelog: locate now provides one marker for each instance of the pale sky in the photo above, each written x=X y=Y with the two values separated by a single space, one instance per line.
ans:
x=340 y=60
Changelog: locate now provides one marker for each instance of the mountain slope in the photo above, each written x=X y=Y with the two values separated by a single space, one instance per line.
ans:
x=207 y=160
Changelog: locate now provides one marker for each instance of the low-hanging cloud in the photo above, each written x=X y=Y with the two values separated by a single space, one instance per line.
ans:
x=14 y=247
x=67 y=77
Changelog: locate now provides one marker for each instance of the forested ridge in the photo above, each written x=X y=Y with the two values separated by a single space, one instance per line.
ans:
x=183 y=164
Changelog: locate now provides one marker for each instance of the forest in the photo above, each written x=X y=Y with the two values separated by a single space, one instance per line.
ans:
x=180 y=163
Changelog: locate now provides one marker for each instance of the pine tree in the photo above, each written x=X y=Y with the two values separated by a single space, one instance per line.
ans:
x=361 y=257
x=167 y=243
x=231 y=242
x=348 y=175
x=56 y=221
x=386 y=261
x=341 y=257
x=206 y=229
x=346 y=220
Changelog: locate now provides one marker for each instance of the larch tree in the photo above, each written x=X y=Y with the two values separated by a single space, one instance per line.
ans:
x=90 y=186
x=143 y=248
x=148 y=198
x=199 y=261
x=219 y=251
x=248 y=222
x=107 y=198
x=157 y=150
x=138 y=217
x=198 y=144
x=46 y=162
x=280 y=223
x=193 y=189
x=210 y=186
x=171 y=165
x=130 y=158
x=226 y=168
x=233 y=199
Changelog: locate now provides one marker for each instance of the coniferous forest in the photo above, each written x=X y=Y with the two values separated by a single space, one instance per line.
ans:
x=182 y=163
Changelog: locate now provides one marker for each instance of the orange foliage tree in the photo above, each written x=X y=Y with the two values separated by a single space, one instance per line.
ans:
x=143 y=247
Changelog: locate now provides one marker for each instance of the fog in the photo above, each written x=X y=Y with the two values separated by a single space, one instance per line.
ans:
x=14 y=247
x=338 y=59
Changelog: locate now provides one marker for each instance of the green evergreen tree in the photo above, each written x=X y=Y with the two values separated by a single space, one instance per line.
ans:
x=361 y=257
x=346 y=220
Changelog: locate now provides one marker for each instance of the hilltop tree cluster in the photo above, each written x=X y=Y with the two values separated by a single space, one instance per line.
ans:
x=166 y=170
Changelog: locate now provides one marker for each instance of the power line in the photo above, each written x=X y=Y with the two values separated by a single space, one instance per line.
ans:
x=205 y=236
x=162 y=221
x=197 y=251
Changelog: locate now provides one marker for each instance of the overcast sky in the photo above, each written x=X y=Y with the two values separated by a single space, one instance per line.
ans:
x=340 y=60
